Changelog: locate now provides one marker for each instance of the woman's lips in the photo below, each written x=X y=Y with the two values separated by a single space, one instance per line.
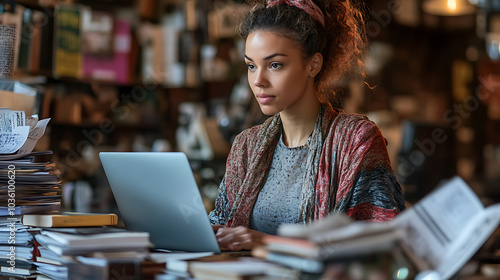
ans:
x=264 y=98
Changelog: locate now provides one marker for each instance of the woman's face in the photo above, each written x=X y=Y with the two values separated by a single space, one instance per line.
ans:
x=277 y=72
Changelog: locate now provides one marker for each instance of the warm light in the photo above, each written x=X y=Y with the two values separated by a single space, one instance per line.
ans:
x=452 y=5
x=448 y=7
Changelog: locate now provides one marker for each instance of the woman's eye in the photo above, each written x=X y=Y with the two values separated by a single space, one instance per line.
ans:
x=250 y=67
x=275 y=65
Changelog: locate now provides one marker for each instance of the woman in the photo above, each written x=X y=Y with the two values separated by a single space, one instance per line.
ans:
x=309 y=159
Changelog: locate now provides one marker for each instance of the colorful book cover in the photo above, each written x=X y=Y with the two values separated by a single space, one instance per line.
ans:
x=115 y=67
x=67 y=41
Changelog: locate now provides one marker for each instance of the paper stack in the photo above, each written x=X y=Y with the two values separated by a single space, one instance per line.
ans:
x=16 y=247
x=29 y=183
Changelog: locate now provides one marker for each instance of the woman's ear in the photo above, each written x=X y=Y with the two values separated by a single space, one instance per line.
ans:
x=316 y=63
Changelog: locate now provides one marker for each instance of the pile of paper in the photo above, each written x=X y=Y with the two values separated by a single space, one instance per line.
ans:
x=29 y=181
x=16 y=247
x=29 y=184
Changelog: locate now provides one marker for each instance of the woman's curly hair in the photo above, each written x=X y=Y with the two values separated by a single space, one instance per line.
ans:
x=341 y=42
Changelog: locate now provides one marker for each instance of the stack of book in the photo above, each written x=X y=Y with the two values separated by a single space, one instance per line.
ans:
x=440 y=233
x=73 y=245
x=29 y=183
x=226 y=265
x=337 y=240
x=16 y=248
x=244 y=268
x=47 y=262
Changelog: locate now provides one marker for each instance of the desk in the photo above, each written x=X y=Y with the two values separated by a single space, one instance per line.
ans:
x=244 y=266
x=378 y=266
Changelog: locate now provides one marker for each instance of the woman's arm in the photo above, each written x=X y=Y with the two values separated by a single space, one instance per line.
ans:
x=367 y=187
x=234 y=239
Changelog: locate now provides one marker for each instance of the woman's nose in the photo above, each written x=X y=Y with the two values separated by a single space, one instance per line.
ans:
x=260 y=79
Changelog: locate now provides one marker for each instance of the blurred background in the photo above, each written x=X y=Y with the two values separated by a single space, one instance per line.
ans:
x=167 y=75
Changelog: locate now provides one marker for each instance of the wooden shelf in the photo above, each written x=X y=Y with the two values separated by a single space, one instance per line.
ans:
x=101 y=4
x=118 y=126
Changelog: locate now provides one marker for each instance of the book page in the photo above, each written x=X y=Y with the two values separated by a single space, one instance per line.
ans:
x=470 y=240
x=33 y=137
x=421 y=241
x=5 y=125
x=441 y=223
x=449 y=209
x=13 y=130
x=11 y=142
x=17 y=119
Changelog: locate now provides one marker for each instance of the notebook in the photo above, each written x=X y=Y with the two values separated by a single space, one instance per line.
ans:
x=157 y=193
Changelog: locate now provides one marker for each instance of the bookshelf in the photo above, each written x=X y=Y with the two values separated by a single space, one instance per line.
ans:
x=113 y=74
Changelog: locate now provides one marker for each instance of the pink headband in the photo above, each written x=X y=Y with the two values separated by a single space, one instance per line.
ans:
x=307 y=5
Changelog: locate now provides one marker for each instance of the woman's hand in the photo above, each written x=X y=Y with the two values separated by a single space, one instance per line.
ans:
x=237 y=239
x=217 y=227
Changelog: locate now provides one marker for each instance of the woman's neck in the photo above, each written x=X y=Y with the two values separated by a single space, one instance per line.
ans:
x=297 y=127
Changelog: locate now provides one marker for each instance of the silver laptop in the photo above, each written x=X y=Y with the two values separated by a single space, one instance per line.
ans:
x=157 y=193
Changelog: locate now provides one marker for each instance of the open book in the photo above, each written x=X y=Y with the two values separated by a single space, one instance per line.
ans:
x=441 y=232
x=448 y=226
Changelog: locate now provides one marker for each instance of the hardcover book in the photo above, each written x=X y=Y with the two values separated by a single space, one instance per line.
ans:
x=68 y=58
x=70 y=219
x=111 y=64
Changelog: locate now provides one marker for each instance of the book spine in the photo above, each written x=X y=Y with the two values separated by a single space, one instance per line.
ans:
x=303 y=264
x=82 y=221
x=25 y=39
x=67 y=43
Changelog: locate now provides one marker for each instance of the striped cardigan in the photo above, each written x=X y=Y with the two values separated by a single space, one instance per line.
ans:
x=348 y=171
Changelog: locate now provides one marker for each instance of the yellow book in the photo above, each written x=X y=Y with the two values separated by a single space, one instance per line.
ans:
x=70 y=219
x=68 y=57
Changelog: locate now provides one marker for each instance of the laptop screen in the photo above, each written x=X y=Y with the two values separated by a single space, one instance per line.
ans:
x=157 y=193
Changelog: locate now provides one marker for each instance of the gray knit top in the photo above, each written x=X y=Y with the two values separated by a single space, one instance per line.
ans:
x=279 y=200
